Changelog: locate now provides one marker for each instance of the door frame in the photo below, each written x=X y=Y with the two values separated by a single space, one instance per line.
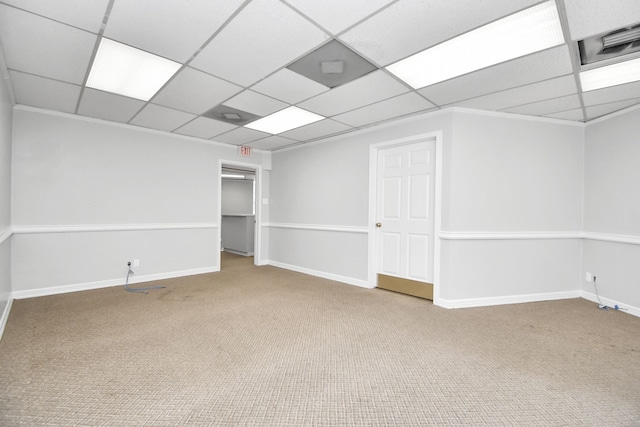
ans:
x=257 y=228
x=374 y=150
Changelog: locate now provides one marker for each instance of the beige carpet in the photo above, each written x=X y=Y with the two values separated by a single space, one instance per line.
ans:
x=264 y=346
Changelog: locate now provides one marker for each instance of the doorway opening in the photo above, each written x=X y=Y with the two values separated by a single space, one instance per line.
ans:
x=239 y=186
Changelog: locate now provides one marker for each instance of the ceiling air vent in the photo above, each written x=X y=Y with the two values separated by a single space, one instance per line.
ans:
x=332 y=65
x=610 y=45
x=230 y=115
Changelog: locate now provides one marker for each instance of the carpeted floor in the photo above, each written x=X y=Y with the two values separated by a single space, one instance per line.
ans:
x=264 y=346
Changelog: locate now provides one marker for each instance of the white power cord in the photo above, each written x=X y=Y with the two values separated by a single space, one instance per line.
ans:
x=601 y=306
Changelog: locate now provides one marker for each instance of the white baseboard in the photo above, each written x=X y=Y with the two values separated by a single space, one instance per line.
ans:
x=32 y=293
x=319 y=227
x=5 y=315
x=625 y=308
x=511 y=299
x=323 y=274
x=232 y=251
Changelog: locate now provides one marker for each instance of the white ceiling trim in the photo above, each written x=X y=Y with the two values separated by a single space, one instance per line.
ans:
x=5 y=76
x=29 y=108
x=612 y=115
x=431 y=114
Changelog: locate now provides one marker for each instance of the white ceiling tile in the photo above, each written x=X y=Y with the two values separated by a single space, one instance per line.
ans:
x=43 y=47
x=161 y=118
x=548 y=106
x=528 y=69
x=272 y=142
x=612 y=94
x=84 y=14
x=604 y=109
x=317 y=130
x=204 y=127
x=29 y=90
x=173 y=29
x=108 y=106
x=540 y=91
x=409 y=26
x=575 y=115
x=366 y=90
x=337 y=15
x=384 y=110
x=289 y=86
x=265 y=36
x=590 y=17
x=240 y=136
x=255 y=103
x=195 y=92
x=48 y=47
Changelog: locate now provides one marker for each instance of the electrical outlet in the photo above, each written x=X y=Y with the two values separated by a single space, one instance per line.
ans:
x=136 y=263
x=588 y=277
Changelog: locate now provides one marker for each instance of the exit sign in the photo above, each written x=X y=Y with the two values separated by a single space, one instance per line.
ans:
x=245 y=151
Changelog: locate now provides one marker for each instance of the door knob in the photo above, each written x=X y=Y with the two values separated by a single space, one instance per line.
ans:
x=378 y=224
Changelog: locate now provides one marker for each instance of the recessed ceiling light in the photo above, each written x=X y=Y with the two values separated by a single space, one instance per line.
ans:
x=284 y=120
x=232 y=116
x=124 y=70
x=611 y=75
x=522 y=33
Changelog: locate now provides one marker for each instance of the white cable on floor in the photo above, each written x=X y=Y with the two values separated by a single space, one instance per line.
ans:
x=138 y=290
x=601 y=306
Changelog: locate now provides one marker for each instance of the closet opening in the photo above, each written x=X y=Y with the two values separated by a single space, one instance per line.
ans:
x=238 y=214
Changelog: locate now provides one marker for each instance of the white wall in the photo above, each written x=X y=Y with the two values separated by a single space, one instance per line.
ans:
x=320 y=200
x=612 y=208
x=515 y=190
x=505 y=181
x=493 y=271
x=6 y=112
x=515 y=174
x=90 y=195
x=237 y=197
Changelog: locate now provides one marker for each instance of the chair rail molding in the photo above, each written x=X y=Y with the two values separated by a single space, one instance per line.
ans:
x=40 y=229
x=509 y=235
x=5 y=234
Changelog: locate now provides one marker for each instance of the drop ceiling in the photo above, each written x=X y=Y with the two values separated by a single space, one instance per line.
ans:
x=241 y=55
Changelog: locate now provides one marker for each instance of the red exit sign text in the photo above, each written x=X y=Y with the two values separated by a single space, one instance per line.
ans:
x=245 y=151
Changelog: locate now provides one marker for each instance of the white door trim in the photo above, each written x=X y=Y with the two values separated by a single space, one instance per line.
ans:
x=373 y=165
x=257 y=229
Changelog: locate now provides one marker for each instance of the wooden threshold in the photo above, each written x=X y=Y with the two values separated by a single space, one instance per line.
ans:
x=406 y=286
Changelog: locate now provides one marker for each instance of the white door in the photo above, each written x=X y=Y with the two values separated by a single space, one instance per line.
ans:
x=405 y=211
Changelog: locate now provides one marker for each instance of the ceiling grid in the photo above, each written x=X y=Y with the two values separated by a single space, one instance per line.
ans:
x=239 y=55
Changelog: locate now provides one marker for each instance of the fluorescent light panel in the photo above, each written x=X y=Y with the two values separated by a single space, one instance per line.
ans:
x=232 y=175
x=611 y=75
x=520 y=34
x=284 y=120
x=124 y=70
